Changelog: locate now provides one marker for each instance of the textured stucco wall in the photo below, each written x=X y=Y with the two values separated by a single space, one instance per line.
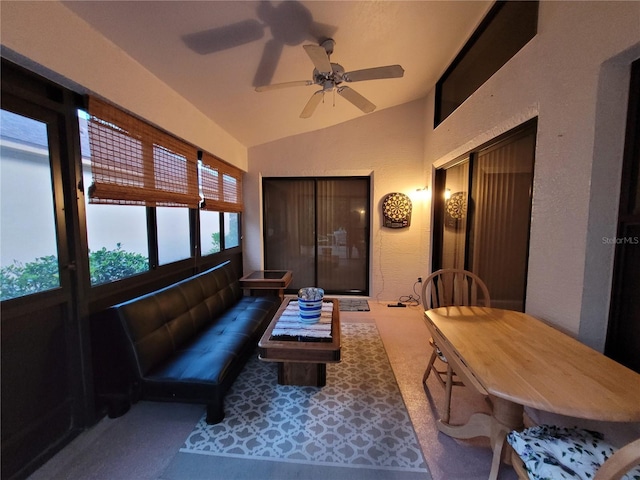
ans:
x=574 y=77
x=388 y=145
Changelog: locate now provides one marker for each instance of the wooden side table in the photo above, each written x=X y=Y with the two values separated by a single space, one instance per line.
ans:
x=267 y=282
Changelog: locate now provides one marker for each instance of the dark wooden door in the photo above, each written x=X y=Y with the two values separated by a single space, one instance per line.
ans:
x=623 y=335
x=40 y=353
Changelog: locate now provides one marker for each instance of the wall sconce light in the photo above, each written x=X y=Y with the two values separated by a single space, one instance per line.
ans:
x=447 y=194
x=423 y=193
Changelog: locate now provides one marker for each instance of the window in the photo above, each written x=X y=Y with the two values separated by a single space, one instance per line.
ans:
x=220 y=184
x=117 y=238
x=135 y=163
x=209 y=232
x=221 y=192
x=173 y=234
x=29 y=262
x=142 y=185
x=231 y=230
x=116 y=234
x=505 y=30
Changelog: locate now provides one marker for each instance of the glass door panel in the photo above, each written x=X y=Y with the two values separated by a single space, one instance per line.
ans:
x=500 y=229
x=483 y=213
x=289 y=217
x=343 y=212
x=39 y=398
x=29 y=255
x=454 y=215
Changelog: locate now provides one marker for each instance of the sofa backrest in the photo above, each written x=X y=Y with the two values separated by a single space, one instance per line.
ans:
x=159 y=322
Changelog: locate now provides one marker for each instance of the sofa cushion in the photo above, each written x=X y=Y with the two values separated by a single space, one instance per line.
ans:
x=161 y=322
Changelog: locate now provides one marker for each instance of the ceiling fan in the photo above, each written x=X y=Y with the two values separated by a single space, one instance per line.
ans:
x=331 y=77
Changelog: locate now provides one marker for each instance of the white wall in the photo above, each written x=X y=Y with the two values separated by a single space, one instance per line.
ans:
x=574 y=77
x=388 y=145
x=54 y=39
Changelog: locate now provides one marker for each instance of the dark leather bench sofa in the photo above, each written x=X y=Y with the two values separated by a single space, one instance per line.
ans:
x=189 y=341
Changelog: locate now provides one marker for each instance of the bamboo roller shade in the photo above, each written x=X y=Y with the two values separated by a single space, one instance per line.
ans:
x=133 y=162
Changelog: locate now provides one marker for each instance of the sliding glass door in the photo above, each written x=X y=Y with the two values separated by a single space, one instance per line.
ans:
x=499 y=240
x=483 y=213
x=319 y=229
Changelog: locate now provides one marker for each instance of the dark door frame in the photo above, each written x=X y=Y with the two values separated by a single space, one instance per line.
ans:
x=57 y=311
x=623 y=331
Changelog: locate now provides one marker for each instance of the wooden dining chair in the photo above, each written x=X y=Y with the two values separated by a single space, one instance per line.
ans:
x=443 y=288
x=549 y=451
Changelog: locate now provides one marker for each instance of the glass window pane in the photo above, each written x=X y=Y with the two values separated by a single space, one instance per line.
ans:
x=117 y=234
x=173 y=234
x=29 y=258
x=117 y=237
x=456 y=198
x=209 y=232
x=231 y=230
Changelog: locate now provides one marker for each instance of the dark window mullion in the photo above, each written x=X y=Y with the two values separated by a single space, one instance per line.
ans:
x=222 y=232
x=152 y=237
x=315 y=231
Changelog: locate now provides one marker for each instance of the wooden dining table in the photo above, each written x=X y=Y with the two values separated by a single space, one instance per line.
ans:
x=519 y=361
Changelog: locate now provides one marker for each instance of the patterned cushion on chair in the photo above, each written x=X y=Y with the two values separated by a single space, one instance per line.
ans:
x=551 y=452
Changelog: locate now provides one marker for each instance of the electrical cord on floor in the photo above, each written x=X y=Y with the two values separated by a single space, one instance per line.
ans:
x=412 y=300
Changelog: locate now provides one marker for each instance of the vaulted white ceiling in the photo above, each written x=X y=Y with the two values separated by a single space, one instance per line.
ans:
x=214 y=53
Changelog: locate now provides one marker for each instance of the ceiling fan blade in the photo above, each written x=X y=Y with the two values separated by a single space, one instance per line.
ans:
x=319 y=57
x=277 y=86
x=390 y=71
x=311 y=105
x=358 y=100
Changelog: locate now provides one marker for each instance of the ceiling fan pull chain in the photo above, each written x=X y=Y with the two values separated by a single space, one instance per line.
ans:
x=334 y=98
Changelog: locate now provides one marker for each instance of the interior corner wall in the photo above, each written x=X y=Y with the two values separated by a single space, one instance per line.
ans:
x=387 y=145
x=561 y=77
x=49 y=39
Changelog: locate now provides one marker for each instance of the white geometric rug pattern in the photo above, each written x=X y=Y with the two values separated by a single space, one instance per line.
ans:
x=357 y=419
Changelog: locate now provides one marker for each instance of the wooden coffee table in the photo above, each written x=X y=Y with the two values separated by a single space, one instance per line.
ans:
x=301 y=361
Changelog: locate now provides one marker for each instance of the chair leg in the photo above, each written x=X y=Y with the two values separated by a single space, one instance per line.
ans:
x=432 y=360
x=447 y=395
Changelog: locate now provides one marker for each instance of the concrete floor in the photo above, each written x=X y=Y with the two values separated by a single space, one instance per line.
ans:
x=108 y=450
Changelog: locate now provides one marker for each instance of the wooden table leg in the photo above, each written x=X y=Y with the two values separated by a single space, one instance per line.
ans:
x=505 y=416
x=302 y=374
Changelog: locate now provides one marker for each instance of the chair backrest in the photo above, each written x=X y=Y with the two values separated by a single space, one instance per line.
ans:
x=454 y=287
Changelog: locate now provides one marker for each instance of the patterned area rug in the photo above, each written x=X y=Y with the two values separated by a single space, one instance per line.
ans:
x=357 y=420
x=354 y=305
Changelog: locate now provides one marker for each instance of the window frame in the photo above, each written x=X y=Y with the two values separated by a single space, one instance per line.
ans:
x=471 y=55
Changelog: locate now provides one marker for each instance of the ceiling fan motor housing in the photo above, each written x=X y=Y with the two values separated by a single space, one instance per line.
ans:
x=329 y=80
